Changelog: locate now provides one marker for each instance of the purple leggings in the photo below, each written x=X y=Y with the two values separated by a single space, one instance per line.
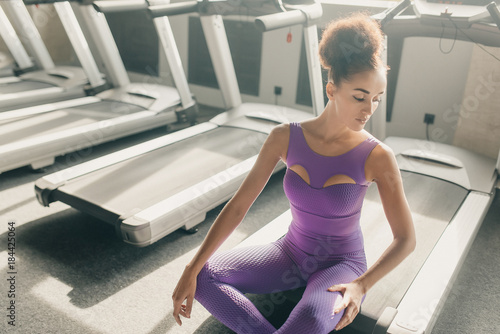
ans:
x=271 y=268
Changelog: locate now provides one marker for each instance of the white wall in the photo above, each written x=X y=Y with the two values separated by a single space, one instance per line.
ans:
x=429 y=81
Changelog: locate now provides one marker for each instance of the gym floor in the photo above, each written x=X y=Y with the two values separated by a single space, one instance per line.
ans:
x=72 y=275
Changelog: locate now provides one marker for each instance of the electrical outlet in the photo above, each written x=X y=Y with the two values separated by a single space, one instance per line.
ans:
x=429 y=118
x=277 y=90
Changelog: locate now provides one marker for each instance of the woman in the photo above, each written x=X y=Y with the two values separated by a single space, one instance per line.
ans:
x=331 y=161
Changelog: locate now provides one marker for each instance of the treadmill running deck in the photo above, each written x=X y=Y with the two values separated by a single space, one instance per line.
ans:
x=159 y=174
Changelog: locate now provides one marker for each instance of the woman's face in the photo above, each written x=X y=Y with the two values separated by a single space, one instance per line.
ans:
x=357 y=98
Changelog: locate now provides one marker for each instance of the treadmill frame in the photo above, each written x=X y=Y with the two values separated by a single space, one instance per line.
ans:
x=151 y=224
x=16 y=48
x=69 y=81
x=162 y=104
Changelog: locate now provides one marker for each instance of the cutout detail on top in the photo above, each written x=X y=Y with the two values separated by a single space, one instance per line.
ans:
x=302 y=172
x=338 y=179
x=333 y=180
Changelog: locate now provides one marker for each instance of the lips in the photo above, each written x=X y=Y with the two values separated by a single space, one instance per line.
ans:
x=363 y=119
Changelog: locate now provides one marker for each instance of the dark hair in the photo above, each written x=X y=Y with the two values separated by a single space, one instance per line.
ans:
x=351 y=45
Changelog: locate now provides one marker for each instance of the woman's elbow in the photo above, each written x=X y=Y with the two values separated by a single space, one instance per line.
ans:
x=234 y=211
x=410 y=243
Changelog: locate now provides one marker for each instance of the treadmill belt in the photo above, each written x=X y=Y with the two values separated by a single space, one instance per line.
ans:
x=433 y=203
x=63 y=119
x=22 y=86
x=138 y=183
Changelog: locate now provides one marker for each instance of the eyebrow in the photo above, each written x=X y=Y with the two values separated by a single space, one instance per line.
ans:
x=365 y=91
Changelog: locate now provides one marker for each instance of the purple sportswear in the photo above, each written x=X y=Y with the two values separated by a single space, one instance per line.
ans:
x=323 y=247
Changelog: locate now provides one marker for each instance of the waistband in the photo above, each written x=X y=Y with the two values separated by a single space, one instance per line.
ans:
x=321 y=236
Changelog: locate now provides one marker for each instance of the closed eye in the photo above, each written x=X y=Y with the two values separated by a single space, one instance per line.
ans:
x=361 y=99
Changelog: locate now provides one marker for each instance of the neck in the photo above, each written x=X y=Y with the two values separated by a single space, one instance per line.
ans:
x=329 y=126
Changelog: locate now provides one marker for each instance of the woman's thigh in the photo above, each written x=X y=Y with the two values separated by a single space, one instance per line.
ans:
x=255 y=269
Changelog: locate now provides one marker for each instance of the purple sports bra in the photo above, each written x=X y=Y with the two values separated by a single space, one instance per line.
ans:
x=325 y=214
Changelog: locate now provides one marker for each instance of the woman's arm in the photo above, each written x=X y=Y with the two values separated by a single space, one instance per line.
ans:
x=382 y=168
x=230 y=217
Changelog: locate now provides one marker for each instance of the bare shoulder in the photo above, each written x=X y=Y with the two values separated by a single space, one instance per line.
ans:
x=380 y=163
x=279 y=136
x=277 y=140
x=280 y=132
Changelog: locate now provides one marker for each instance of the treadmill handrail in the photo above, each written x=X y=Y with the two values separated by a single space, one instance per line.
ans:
x=386 y=16
x=174 y=9
x=79 y=44
x=23 y=22
x=303 y=15
x=166 y=37
x=119 y=6
x=411 y=26
x=13 y=43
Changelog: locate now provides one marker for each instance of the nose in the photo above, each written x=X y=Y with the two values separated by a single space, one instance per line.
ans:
x=370 y=107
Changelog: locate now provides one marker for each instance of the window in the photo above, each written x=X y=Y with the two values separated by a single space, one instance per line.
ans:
x=137 y=41
x=245 y=43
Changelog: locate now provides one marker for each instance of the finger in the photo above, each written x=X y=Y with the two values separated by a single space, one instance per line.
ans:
x=177 y=318
x=341 y=303
x=349 y=314
x=185 y=312
x=176 y=311
x=340 y=307
x=344 y=321
x=189 y=306
x=337 y=287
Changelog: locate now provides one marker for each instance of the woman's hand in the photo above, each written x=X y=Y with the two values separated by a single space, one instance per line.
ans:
x=352 y=295
x=184 y=291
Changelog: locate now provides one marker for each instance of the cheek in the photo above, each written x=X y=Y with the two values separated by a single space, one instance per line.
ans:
x=348 y=108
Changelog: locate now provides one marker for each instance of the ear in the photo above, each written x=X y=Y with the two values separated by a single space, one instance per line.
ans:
x=330 y=90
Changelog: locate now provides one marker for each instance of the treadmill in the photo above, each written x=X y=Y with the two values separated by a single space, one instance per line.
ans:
x=152 y=189
x=449 y=190
x=52 y=83
x=34 y=136
x=20 y=61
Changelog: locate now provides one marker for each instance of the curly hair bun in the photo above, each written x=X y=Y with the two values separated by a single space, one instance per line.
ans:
x=351 y=45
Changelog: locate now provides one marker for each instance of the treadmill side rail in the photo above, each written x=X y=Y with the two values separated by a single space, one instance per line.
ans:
x=7 y=80
x=22 y=152
x=418 y=310
x=385 y=320
x=186 y=208
x=45 y=108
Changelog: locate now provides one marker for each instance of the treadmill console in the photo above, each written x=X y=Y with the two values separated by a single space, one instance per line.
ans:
x=460 y=13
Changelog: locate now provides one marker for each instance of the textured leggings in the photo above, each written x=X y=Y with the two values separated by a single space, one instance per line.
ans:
x=269 y=269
